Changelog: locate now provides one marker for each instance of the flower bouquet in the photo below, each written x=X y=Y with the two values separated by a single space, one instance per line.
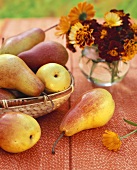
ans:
x=108 y=45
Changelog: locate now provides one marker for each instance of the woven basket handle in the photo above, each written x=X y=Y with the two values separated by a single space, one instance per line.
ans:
x=47 y=97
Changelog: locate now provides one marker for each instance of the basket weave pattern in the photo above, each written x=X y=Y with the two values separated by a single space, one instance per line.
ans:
x=37 y=106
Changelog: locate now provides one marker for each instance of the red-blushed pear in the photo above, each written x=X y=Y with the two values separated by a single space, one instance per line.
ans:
x=18 y=132
x=43 y=53
x=18 y=94
x=23 y=41
x=6 y=94
x=55 y=77
x=15 y=74
x=93 y=109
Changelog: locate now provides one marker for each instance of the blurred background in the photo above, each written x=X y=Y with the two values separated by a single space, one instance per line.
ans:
x=57 y=8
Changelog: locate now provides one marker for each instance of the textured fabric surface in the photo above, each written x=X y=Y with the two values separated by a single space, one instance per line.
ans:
x=84 y=150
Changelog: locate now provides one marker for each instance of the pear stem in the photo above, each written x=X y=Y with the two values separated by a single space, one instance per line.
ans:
x=50 y=28
x=3 y=40
x=55 y=143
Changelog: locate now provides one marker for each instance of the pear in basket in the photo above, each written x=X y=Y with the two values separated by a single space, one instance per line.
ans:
x=23 y=41
x=55 y=77
x=43 y=53
x=15 y=74
x=6 y=94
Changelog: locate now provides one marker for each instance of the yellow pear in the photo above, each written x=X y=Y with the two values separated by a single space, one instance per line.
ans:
x=15 y=74
x=93 y=109
x=55 y=77
x=18 y=132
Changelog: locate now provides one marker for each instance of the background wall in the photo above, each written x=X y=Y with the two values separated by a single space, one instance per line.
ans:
x=57 y=8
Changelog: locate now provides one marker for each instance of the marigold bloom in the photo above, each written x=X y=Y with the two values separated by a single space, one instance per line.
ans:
x=119 y=12
x=130 y=49
x=111 y=140
x=134 y=27
x=73 y=32
x=81 y=35
x=115 y=38
x=84 y=11
x=112 y=19
x=124 y=17
x=63 y=26
x=103 y=33
x=113 y=53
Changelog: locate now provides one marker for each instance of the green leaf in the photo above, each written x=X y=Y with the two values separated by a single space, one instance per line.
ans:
x=129 y=122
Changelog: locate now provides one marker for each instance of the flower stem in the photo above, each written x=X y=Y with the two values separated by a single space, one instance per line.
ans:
x=114 y=71
x=55 y=143
x=92 y=69
x=130 y=122
x=123 y=137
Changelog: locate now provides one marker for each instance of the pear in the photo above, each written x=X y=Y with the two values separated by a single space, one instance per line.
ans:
x=55 y=77
x=18 y=132
x=18 y=94
x=23 y=41
x=43 y=53
x=15 y=74
x=5 y=94
x=93 y=109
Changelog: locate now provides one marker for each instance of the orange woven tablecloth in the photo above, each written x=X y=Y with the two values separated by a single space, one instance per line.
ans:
x=84 y=150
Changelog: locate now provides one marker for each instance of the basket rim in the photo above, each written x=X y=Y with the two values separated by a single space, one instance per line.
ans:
x=33 y=100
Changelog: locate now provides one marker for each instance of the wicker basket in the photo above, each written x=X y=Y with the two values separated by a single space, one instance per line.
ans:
x=37 y=106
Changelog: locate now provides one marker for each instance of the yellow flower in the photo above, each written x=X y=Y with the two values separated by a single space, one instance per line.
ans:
x=111 y=140
x=84 y=11
x=112 y=19
x=73 y=32
x=134 y=27
x=130 y=48
x=63 y=26
x=81 y=35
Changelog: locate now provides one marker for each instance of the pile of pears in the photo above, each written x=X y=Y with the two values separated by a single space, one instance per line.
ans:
x=20 y=58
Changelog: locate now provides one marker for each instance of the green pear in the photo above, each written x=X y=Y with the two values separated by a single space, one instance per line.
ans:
x=23 y=41
x=93 y=109
x=15 y=74
x=18 y=132
x=43 y=53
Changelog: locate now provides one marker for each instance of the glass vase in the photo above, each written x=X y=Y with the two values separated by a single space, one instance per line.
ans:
x=100 y=72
